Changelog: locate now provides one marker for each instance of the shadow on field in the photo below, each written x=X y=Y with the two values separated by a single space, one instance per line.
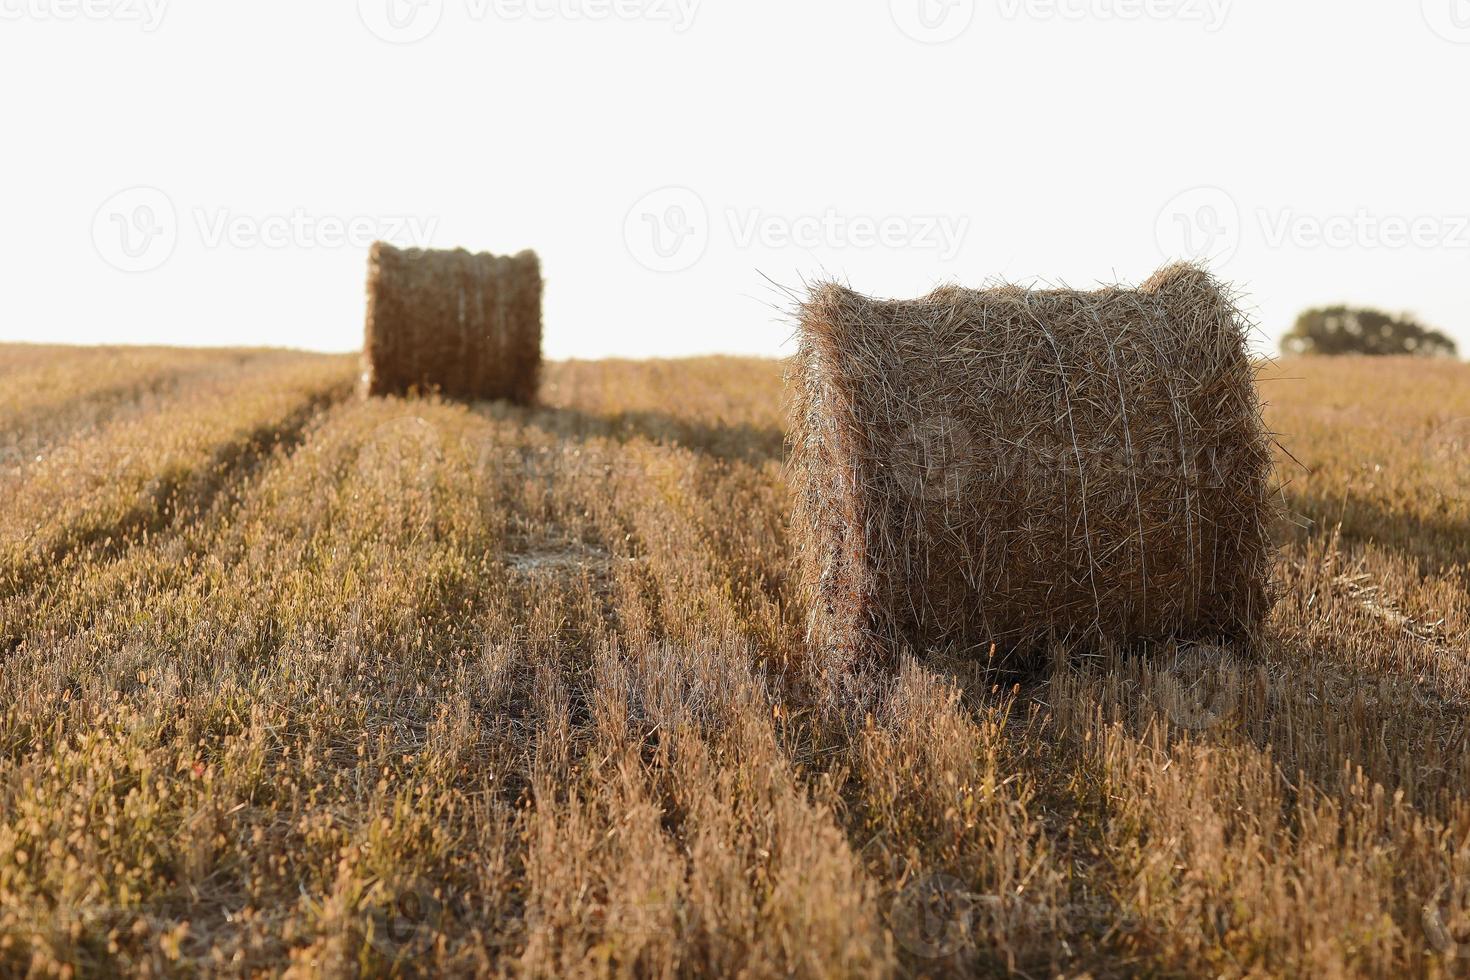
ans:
x=741 y=443
x=1441 y=545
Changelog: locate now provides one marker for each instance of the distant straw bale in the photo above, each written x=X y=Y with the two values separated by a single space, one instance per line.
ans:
x=465 y=325
x=1018 y=467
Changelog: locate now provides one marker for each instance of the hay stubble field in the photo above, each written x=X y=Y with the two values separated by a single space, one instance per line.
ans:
x=292 y=682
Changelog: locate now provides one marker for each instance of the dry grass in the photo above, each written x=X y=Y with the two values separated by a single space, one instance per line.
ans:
x=296 y=684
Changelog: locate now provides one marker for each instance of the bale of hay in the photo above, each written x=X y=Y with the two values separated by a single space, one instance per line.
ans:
x=464 y=325
x=1020 y=467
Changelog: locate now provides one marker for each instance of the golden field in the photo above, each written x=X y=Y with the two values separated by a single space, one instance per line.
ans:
x=294 y=683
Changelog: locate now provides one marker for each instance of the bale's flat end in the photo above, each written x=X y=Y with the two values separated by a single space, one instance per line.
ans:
x=461 y=324
x=1018 y=466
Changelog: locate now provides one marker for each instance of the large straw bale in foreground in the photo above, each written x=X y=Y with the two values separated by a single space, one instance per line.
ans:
x=1018 y=466
x=466 y=325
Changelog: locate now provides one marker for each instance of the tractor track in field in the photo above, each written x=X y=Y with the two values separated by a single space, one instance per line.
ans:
x=170 y=507
x=33 y=432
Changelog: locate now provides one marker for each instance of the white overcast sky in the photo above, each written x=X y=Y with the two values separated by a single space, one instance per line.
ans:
x=203 y=172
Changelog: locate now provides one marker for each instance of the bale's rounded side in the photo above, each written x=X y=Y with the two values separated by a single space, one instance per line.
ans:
x=1017 y=466
x=465 y=325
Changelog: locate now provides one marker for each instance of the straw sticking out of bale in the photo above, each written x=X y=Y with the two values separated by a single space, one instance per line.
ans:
x=1017 y=467
x=465 y=325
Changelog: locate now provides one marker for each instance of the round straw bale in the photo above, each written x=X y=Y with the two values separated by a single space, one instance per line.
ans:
x=464 y=325
x=1017 y=467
